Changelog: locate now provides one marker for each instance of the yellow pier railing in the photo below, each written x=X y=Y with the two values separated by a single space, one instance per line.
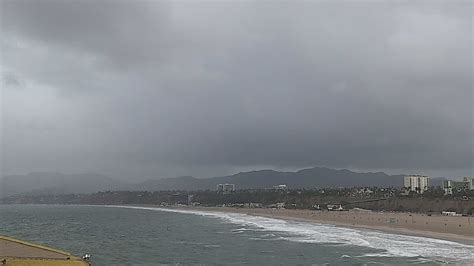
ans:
x=14 y=252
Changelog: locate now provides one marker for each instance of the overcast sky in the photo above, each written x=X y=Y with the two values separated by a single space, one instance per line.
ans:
x=148 y=89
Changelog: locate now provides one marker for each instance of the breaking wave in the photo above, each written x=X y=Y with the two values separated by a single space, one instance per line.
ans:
x=383 y=244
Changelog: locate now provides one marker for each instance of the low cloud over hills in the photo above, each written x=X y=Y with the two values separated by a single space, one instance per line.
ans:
x=57 y=183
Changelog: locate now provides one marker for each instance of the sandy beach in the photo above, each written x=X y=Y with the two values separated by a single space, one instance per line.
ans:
x=453 y=228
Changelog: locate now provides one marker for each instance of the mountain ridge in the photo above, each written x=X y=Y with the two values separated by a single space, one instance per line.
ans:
x=315 y=177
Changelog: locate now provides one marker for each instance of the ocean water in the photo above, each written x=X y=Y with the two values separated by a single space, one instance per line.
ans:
x=126 y=235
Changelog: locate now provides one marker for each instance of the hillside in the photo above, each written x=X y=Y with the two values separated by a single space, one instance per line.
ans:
x=306 y=178
x=317 y=177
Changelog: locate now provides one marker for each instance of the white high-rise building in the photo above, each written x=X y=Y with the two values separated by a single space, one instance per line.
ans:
x=225 y=188
x=417 y=183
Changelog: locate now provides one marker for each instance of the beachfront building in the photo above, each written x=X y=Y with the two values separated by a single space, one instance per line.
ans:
x=416 y=183
x=225 y=188
x=335 y=207
x=253 y=205
x=450 y=186
x=280 y=187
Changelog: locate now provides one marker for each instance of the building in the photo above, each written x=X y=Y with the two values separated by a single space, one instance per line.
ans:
x=280 y=187
x=335 y=207
x=446 y=213
x=225 y=188
x=416 y=183
x=470 y=182
x=448 y=187
x=457 y=186
x=253 y=205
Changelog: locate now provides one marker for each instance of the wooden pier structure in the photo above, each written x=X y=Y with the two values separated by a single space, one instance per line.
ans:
x=14 y=252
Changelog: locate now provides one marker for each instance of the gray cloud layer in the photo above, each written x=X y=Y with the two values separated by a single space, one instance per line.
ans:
x=154 y=88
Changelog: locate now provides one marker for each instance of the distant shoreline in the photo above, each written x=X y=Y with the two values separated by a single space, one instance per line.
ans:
x=412 y=224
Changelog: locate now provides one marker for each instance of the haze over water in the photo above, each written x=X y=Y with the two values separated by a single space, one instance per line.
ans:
x=146 y=236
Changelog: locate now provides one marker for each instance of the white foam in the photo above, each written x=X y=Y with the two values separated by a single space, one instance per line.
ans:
x=384 y=244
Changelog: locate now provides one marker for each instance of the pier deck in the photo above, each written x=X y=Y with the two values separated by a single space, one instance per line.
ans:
x=20 y=253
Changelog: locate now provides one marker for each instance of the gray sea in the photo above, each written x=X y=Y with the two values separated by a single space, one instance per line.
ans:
x=126 y=235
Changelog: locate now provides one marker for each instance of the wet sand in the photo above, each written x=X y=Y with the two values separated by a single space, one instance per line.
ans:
x=453 y=228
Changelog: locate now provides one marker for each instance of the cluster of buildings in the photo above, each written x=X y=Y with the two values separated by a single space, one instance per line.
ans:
x=421 y=183
x=450 y=186
x=416 y=183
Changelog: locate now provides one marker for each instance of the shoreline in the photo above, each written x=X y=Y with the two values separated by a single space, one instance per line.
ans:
x=398 y=231
x=366 y=220
x=458 y=229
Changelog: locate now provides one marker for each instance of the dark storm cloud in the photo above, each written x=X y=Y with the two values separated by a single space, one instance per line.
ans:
x=162 y=88
x=120 y=31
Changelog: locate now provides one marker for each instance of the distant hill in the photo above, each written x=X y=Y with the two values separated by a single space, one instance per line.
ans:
x=306 y=178
x=56 y=183
x=317 y=177
x=173 y=183
x=437 y=181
